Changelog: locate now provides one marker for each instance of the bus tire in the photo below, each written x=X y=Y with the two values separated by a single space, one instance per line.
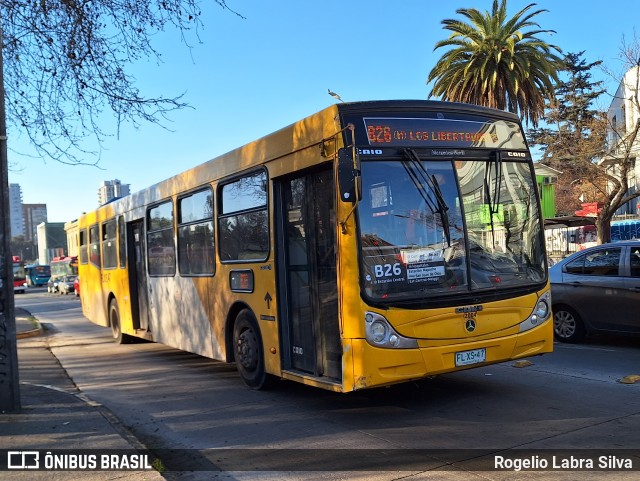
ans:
x=248 y=352
x=114 y=322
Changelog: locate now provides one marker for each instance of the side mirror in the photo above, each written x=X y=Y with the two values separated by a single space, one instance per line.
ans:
x=349 y=180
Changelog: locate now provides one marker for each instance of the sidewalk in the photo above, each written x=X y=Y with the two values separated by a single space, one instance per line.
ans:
x=56 y=416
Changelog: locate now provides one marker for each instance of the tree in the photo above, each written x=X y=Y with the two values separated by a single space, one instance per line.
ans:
x=618 y=164
x=596 y=151
x=574 y=136
x=494 y=62
x=65 y=65
x=62 y=65
x=26 y=250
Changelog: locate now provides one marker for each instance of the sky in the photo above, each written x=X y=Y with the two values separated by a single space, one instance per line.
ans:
x=254 y=75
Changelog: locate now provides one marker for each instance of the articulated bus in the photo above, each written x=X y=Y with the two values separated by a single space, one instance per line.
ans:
x=369 y=244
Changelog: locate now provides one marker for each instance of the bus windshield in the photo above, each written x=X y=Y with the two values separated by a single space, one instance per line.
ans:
x=433 y=228
x=63 y=266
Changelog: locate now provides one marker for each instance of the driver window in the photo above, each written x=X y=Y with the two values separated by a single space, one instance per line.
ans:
x=603 y=262
x=635 y=262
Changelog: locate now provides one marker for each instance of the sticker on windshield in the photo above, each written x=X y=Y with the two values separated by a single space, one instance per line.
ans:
x=387 y=273
x=423 y=265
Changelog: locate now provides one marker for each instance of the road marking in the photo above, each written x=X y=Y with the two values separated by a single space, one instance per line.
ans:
x=630 y=379
x=584 y=348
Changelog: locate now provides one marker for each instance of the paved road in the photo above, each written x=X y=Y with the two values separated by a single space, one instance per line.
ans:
x=170 y=400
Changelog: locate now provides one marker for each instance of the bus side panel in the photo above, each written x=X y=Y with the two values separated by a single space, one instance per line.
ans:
x=91 y=296
x=178 y=315
x=261 y=301
x=116 y=285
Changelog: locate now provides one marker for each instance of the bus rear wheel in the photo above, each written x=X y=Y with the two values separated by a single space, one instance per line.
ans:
x=116 y=328
x=248 y=352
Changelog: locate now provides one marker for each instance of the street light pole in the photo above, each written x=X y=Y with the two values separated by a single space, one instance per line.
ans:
x=9 y=385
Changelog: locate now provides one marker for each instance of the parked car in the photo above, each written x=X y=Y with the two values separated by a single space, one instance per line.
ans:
x=65 y=285
x=597 y=290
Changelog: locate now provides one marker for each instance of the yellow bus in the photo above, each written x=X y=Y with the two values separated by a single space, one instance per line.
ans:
x=369 y=244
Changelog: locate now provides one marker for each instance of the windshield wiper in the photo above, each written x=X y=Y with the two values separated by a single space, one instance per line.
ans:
x=420 y=177
x=493 y=198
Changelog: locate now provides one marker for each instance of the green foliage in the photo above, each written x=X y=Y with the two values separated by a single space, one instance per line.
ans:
x=573 y=140
x=26 y=250
x=496 y=62
x=573 y=124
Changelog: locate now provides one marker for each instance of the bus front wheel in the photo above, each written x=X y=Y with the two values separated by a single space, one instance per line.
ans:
x=114 y=321
x=248 y=352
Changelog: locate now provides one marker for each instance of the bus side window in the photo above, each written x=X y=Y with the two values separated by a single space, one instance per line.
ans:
x=122 y=242
x=109 y=258
x=94 y=246
x=195 y=234
x=161 y=250
x=243 y=227
x=84 y=247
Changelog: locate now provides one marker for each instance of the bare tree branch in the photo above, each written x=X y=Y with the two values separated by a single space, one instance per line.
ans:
x=595 y=150
x=66 y=65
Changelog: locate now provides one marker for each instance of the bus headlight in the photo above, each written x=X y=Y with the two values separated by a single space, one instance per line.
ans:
x=542 y=309
x=381 y=334
x=378 y=332
x=540 y=314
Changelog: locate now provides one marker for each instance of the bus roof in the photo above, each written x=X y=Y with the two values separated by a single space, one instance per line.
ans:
x=64 y=259
x=303 y=134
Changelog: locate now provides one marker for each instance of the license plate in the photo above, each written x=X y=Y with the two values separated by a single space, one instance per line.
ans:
x=475 y=356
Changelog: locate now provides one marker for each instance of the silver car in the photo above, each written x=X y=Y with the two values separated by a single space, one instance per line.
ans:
x=65 y=285
x=597 y=290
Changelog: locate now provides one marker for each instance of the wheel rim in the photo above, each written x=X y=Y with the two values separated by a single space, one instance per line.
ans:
x=565 y=324
x=247 y=350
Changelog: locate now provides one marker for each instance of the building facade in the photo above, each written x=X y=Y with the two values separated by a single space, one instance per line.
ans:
x=15 y=210
x=111 y=189
x=52 y=241
x=71 y=230
x=623 y=115
x=34 y=215
x=546 y=178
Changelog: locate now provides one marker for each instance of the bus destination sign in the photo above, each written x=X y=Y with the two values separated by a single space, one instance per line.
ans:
x=435 y=132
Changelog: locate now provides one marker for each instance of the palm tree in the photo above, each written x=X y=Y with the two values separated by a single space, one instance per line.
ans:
x=495 y=63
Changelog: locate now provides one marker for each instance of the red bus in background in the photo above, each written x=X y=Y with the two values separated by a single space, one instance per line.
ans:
x=19 y=276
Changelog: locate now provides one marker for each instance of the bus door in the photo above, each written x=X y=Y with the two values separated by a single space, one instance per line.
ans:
x=307 y=281
x=138 y=275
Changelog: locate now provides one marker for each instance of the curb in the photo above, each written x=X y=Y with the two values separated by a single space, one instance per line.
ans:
x=23 y=314
x=107 y=415
x=32 y=333
x=38 y=330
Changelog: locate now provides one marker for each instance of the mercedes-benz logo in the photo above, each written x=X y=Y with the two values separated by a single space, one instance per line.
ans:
x=470 y=325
